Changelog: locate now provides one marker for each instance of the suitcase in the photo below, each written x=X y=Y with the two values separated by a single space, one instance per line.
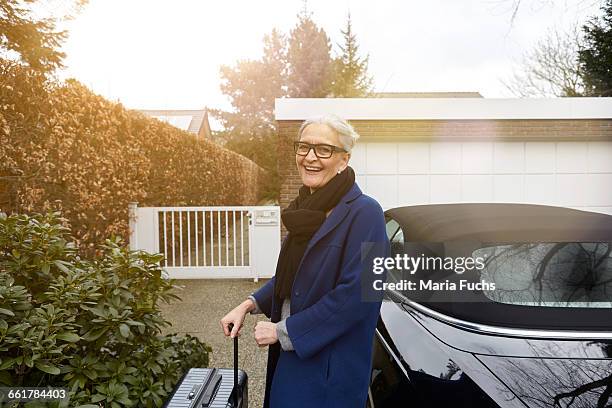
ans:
x=212 y=388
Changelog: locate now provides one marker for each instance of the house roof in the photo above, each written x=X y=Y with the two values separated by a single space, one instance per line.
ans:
x=192 y=120
x=444 y=108
x=426 y=95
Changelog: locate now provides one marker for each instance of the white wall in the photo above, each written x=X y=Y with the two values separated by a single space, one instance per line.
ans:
x=569 y=174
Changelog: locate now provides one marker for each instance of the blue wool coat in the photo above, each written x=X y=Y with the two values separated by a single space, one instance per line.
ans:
x=330 y=326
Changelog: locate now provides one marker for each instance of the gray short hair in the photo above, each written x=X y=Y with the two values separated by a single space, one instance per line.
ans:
x=346 y=133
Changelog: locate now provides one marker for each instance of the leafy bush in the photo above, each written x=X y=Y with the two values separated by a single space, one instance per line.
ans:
x=91 y=325
x=65 y=148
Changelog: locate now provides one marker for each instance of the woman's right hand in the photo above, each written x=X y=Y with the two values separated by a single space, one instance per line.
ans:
x=236 y=317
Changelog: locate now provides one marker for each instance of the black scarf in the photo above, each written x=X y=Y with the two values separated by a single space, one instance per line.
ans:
x=302 y=218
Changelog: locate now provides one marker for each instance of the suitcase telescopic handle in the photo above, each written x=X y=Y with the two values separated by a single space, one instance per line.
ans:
x=236 y=386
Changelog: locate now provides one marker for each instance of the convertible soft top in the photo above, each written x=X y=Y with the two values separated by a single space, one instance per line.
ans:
x=508 y=223
x=493 y=222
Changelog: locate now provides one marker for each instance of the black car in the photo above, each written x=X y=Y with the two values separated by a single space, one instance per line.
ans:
x=542 y=337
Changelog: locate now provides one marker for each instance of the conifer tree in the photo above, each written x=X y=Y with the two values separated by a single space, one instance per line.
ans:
x=596 y=58
x=351 y=79
x=309 y=59
x=32 y=37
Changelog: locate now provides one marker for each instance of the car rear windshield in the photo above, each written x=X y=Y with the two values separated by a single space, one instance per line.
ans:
x=544 y=285
x=563 y=274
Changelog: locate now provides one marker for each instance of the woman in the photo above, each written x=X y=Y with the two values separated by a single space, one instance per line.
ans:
x=321 y=330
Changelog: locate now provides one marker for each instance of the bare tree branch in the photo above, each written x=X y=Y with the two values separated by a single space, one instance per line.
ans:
x=551 y=68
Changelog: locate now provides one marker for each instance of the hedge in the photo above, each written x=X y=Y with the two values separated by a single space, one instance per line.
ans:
x=64 y=148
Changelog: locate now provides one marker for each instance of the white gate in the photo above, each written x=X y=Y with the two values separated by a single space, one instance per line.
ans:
x=209 y=242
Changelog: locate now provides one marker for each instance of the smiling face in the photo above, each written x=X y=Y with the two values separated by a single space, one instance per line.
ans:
x=316 y=172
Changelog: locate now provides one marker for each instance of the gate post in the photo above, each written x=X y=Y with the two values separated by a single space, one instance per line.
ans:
x=132 y=225
x=264 y=241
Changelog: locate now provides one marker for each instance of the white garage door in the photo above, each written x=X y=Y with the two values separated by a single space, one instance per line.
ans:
x=569 y=174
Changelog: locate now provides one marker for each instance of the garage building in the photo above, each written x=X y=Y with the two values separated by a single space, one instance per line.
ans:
x=453 y=150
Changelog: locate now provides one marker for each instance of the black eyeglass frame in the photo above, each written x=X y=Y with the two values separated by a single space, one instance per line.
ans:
x=311 y=146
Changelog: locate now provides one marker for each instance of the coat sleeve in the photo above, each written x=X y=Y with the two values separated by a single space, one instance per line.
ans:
x=332 y=316
x=264 y=295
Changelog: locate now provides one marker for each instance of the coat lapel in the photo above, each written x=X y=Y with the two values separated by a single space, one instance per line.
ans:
x=337 y=215
x=339 y=212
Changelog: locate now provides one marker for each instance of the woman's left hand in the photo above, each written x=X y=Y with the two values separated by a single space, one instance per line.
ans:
x=265 y=333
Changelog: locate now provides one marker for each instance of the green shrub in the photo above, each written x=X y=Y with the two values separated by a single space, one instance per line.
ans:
x=93 y=326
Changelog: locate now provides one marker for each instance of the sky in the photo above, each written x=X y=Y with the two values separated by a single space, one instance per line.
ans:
x=161 y=54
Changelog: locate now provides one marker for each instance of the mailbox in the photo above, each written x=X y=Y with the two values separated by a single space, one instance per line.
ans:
x=266 y=217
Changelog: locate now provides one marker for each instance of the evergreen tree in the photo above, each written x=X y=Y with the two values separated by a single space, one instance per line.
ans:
x=275 y=60
x=309 y=60
x=596 y=58
x=32 y=39
x=351 y=79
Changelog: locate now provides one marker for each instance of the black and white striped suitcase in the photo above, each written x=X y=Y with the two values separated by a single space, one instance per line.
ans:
x=212 y=388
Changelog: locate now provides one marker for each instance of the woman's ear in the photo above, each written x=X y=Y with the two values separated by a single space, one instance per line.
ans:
x=346 y=158
x=344 y=162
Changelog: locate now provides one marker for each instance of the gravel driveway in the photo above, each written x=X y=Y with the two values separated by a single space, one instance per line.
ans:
x=204 y=303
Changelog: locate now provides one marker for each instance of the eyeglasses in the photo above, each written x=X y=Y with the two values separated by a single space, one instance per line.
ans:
x=322 y=151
